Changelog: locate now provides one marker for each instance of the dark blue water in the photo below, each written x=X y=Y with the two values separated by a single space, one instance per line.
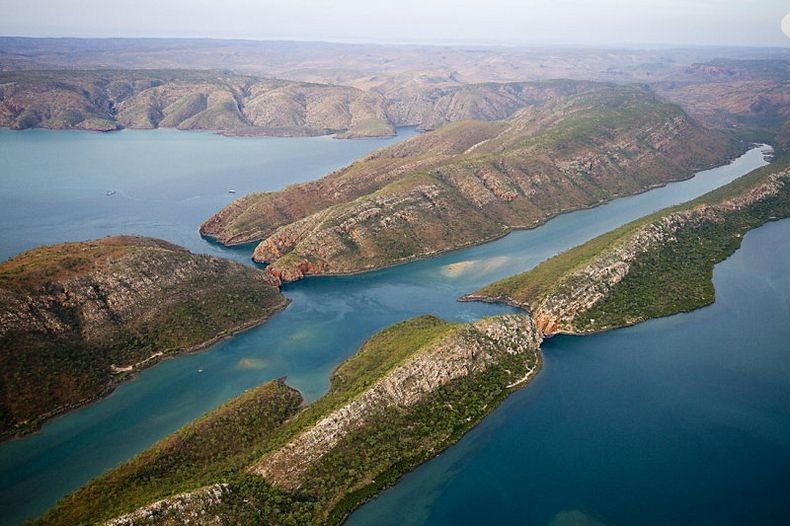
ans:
x=327 y=321
x=681 y=420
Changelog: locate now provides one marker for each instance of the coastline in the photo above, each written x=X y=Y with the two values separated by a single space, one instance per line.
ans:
x=124 y=376
x=252 y=131
x=506 y=230
x=535 y=301
x=387 y=480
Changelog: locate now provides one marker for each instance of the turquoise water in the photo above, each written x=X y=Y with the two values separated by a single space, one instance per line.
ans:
x=681 y=420
x=327 y=321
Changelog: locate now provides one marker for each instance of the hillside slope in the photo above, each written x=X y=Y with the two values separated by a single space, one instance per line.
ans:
x=749 y=97
x=77 y=318
x=472 y=181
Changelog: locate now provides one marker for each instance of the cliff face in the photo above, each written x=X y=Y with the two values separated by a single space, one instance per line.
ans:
x=109 y=100
x=470 y=182
x=653 y=267
x=74 y=318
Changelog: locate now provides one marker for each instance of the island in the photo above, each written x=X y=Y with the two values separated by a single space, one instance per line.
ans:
x=577 y=145
x=78 y=318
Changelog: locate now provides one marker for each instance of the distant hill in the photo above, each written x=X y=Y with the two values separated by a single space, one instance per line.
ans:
x=751 y=98
x=184 y=99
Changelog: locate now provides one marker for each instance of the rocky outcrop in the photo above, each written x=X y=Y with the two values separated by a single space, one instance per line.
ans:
x=581 y=289
x=194 y=507
x=74 y=318
x=463 y=352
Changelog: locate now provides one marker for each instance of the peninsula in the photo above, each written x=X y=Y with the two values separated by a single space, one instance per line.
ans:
x=77 y=318
x=656 y=266
x=577 y=145
x=415 y=388
x=411 y=391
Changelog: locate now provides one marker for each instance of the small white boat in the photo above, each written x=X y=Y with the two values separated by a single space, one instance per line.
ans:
x=110 y=192
x=200 y=370
x=231 y=191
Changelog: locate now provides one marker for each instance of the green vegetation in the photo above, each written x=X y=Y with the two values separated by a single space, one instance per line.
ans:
x=211 y=448
x=394 y=440
x=664 y=278
x=379 y=355
x=77 y=318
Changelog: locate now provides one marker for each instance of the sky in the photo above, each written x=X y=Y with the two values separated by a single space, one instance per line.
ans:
x=508 y=22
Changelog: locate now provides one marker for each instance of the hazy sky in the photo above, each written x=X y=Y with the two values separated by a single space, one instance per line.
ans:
x=717 y=22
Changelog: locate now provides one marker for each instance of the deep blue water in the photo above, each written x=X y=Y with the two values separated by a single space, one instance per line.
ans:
x=152 y=173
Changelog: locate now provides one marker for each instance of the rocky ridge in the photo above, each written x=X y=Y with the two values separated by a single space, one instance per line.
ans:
x=561 y=301
x=194 y=507
x=411 y=391
x=468 y=350
x=471 y=182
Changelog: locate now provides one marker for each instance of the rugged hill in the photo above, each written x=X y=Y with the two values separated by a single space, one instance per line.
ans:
x=184 y=99
x=655 y=266
x=470 y=182
x=77 y=318
x=411 y=391
x=750 y=97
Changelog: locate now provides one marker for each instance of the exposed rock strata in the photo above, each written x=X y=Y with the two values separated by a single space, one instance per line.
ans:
x=74 y=318
x=194 y=507
x=471 y=182
x=563 y=306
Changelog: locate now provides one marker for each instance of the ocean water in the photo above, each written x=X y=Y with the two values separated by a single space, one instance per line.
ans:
x=152 y=174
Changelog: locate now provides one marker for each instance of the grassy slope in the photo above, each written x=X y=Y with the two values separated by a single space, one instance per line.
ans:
x=44 y=372
x=367 y=460
x=676 y=277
